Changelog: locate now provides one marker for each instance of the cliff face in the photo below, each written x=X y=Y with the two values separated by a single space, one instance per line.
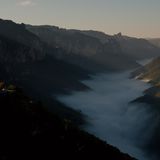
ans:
x=18 y=33
x=73 y=41
x=89 y=49
x=18 y=45
x=12 y=52
x=137 y=48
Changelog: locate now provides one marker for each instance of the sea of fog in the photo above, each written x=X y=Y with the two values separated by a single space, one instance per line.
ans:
x=111 y=117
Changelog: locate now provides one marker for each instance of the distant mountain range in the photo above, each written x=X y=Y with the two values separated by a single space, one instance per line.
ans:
x=64 y=57
x=116 y=52
x=90 y=50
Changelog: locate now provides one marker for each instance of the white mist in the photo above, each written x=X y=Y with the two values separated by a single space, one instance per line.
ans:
x=110 y=115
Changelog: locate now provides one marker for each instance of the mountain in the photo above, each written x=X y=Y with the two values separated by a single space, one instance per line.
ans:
x=18 y=33
x=12 y=52
x=150 y=73
x=45 y=61
x=155 y=41
x=20 y=48
x=18 y=45
x=84 y=48
x=30 y=66
x=137 y=48
x=104 y=38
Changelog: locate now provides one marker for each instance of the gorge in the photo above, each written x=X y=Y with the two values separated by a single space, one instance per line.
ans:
x=82 y=77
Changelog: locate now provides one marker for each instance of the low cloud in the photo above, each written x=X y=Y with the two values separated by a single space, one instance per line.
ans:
x=110 y=115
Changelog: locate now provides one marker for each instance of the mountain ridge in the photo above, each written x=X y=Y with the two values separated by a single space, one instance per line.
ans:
x=80 y=44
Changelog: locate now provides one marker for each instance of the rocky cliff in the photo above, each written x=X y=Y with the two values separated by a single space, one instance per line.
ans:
x=89 y=49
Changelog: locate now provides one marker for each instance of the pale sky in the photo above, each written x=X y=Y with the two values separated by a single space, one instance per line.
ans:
x=139 y=18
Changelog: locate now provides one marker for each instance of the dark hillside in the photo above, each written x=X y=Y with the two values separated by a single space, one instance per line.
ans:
x=28 y=131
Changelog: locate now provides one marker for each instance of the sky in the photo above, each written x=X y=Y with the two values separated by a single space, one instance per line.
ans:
x=138 y=18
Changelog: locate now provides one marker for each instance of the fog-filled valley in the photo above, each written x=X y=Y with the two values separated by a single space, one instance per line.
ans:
x=111 y=115
x=80 y=91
